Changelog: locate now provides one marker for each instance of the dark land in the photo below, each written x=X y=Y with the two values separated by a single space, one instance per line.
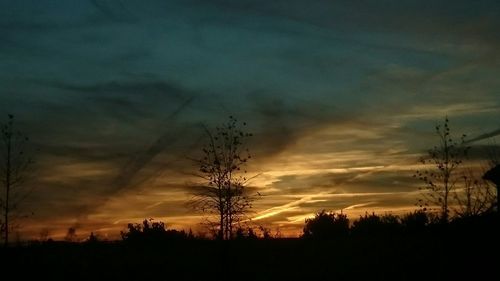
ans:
x=465 y=249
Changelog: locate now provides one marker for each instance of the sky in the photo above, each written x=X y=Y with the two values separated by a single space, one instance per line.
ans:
x=342 y=98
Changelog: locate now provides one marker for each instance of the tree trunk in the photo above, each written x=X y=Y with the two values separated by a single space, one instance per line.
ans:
x=221 y=229
x=7 y=184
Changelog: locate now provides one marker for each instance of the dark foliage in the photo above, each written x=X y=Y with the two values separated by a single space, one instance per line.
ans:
x=150 y=231
x=326 y=225
x=246 y=234
x=463 y=249
x=416 y=221
x=376 y=225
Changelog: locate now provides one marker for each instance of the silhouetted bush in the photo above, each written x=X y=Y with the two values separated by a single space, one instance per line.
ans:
x=92 y=238
x=266 y=232
x=326 y=225
x=245 y=234
x=150 y=231
x=415 y=221
x=376 y=225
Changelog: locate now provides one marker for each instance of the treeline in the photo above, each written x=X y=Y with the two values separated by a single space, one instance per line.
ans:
x=331 y=225
x=372 y=247
x=323 y=226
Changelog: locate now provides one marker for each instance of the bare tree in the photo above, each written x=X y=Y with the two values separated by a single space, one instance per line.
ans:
x=440 y=173
x=475 y=197
x=493 y=175
x=476 y=194
x=222 y=166
x=493 y=153
x=13 y=171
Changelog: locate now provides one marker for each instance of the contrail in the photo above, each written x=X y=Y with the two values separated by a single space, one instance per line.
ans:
x=136 y=165
x=294 y=204
x=484 y=136
x=127 y=173
x=117 y=12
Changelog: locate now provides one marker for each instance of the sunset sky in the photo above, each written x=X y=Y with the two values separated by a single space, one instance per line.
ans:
x=342 y=98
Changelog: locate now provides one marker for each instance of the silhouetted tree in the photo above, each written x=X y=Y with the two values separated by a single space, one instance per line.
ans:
x=71 y=235
x=439 y=171
x=476 y=197
x=493 y=152
x=326 y=225
x=223 y=167
x=92 y=238
x=493 y=175
x=190 y=234
x=13 y=173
